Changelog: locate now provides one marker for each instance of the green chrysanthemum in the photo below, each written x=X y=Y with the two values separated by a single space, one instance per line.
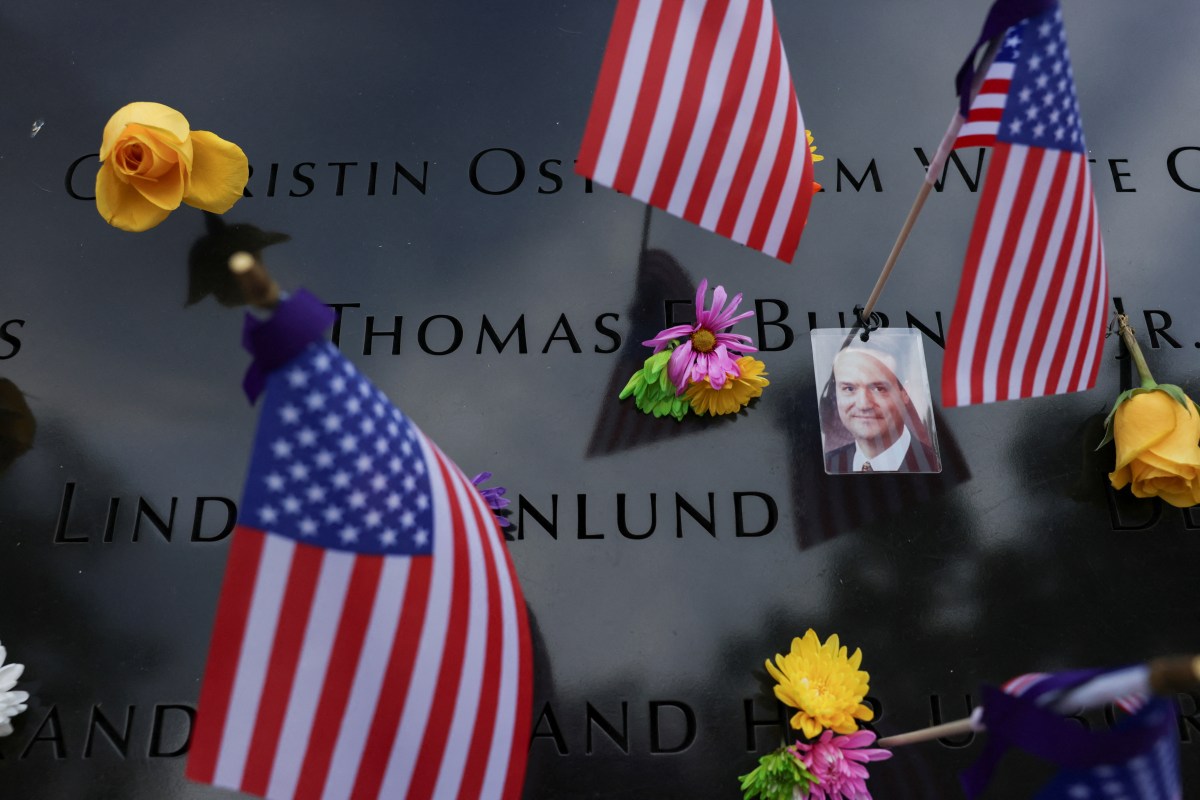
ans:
x=653 y=391
x=776 y=777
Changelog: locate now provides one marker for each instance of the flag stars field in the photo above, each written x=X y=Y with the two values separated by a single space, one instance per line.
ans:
x=327 y=478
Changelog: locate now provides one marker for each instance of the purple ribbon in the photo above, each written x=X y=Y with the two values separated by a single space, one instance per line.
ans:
x=1021 y=722
x=1002 y=16
x=298 y=321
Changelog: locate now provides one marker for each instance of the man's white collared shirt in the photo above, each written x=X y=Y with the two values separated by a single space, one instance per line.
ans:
x=889 y=460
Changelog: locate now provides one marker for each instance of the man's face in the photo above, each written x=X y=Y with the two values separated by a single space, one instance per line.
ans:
x=869 y=401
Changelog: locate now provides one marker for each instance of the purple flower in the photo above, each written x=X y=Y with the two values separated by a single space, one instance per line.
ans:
x=494 y=497
x=837 y=764
x=707 y=350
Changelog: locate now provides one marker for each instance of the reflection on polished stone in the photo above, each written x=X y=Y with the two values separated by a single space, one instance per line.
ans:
x=620 y=425
x=17 y=425
x=208 y=260
x=826 y=506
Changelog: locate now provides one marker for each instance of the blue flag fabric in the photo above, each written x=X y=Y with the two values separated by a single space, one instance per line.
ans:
x=1137 y=760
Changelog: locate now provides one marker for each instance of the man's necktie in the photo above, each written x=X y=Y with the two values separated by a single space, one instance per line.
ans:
x=866 y=467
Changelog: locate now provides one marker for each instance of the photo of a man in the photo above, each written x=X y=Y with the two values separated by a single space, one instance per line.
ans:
x=869 y=420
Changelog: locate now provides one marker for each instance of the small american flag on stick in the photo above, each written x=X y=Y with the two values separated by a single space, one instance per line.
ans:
x=1137 y=759
x=371 y=638
x=1029 y=318
x=695 y=113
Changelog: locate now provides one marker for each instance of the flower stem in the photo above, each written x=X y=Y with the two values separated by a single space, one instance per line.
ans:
x=1131 y=344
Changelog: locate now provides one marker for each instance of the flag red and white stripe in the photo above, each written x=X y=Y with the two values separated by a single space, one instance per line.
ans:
x=336 y=674
x=1029 y=319
x=979 y=129
x=695 y=113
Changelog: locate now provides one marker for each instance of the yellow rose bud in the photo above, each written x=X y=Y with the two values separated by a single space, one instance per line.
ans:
x=1157 y=448
x=151 y=161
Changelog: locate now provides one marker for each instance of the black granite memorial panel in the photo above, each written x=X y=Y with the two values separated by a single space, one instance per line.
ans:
x=419 y=157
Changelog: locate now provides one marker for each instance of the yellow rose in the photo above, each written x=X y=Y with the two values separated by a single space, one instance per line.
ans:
x=152 y=161
x=1157 y=447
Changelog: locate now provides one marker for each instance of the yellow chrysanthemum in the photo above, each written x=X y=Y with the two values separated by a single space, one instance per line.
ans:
x=823 y=683
x=812 y=148
x=736 y=393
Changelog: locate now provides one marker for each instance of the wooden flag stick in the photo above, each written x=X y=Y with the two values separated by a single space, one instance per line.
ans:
x=1161 y=676
x=258 y=287
x=931 y=176
x=956 y=728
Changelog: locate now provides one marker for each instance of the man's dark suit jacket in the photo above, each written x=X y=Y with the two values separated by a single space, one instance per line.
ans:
x=919 y=458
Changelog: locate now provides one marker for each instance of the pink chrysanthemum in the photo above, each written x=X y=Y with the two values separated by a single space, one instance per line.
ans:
x=706 y=351
x=837 y=764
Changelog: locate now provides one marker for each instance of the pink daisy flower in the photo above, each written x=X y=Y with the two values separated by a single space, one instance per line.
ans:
x=706 y=351
x=837 y=763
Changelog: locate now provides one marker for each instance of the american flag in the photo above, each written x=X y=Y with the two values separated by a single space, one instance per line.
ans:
x=1137 y=760
x=695 y=113
x=371 y=638
x=1036 y=683
x=1029 y=318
